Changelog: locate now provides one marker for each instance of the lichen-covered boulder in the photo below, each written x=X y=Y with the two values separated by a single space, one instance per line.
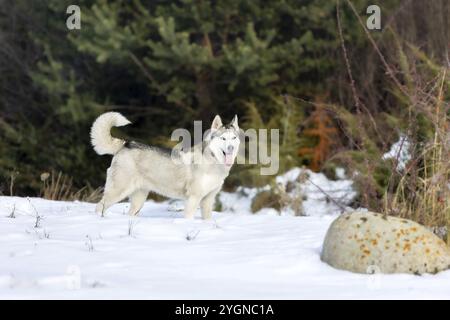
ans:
x=366 y=242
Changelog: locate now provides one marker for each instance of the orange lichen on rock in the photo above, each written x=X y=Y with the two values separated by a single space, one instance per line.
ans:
x=395 y=246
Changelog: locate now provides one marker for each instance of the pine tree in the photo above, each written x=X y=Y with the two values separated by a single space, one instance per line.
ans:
x=162 y=63
x=202 y=57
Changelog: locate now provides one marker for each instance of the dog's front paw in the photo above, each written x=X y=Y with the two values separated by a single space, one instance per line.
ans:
x=189 y=216
x=206 y=216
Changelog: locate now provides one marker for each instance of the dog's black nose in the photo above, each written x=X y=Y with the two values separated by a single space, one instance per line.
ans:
x=230 y=148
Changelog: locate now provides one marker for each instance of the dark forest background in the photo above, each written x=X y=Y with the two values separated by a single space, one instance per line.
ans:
x=340 y=94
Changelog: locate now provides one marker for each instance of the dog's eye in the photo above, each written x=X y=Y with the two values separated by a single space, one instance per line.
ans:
x=222 y=138
x=234 y=138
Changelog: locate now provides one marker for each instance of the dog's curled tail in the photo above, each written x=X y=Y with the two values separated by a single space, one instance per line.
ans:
x=101 y=137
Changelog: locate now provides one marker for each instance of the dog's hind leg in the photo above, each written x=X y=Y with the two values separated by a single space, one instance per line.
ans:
x=110 y=197
x=137 y=200
x=115 y=190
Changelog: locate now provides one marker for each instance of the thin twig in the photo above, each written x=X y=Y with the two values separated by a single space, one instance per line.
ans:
x=377 y=49
x=358 y=103
x=192 y=235
x=328 y=196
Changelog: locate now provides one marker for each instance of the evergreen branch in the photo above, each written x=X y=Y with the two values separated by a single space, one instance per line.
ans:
x=155 y=83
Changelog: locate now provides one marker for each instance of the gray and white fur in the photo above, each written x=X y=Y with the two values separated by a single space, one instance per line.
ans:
x=137 y=169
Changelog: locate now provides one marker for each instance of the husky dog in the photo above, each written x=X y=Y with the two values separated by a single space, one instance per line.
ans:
x=137 y=169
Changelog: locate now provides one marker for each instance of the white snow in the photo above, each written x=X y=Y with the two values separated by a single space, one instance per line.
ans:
x=400 y=151
x=75 y=254
x=322 y=196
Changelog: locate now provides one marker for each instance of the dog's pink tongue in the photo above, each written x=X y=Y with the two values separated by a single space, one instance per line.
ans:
x=229 y=159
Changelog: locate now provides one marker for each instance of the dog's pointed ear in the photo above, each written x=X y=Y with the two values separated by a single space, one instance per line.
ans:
x=234 y=122
x=217 y=123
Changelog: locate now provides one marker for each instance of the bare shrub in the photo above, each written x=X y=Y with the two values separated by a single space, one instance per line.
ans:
x=418 y=93
x=58 y=186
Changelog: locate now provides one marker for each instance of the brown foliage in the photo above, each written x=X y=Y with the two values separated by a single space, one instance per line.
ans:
x=320 y=127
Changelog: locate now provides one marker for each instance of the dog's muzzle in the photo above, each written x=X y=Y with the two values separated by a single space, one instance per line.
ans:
x=228 y=156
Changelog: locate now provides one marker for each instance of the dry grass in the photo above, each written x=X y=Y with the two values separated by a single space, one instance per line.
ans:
x=421 y=85
x=429 y=203
x=282 y=197
x=58 y=186
x=423 y=193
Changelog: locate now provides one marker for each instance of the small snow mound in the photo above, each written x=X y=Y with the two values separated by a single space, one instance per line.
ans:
x=289 y=176
x=340 y=173
x=321 y=195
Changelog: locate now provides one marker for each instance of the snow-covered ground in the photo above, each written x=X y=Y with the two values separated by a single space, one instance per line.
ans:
x=75 y=254
x=317 y=190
